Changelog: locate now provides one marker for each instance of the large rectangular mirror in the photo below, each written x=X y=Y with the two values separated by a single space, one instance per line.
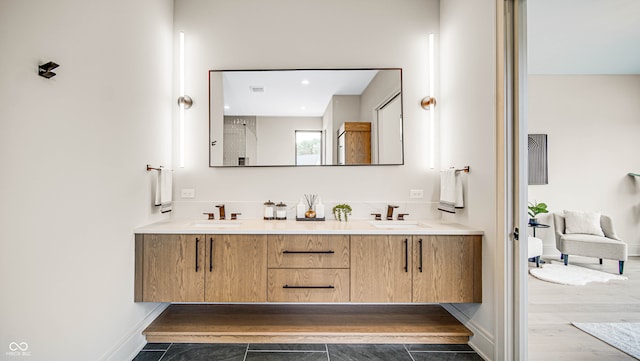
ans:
x=305 y=117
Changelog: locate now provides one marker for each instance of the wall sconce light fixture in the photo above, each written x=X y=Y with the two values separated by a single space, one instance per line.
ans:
x=45 y=70
x=429 y=102
x=184 y=101
x=426 y=102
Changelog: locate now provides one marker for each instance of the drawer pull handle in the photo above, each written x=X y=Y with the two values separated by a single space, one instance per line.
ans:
x=211 y=254
x=197 y=241
x=313 y=287
x=420 y=243
x=308 y=252
x=406 y=255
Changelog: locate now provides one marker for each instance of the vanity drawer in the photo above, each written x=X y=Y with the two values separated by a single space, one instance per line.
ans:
x=308 y=251
x=308 y=285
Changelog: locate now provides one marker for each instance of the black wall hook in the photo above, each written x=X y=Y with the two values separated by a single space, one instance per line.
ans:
x=45 y=70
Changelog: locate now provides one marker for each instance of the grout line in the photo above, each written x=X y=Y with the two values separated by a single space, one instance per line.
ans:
x=165 y=352
x=442 y=351
x=326 y=347
x=246 y=351
x=410 y=355
x=285 y=351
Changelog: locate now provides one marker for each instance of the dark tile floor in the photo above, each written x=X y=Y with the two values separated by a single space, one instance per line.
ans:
x=306 y=352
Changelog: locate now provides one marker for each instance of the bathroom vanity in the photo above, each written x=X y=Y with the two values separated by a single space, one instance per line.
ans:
x=328 y=262
x=256 y=281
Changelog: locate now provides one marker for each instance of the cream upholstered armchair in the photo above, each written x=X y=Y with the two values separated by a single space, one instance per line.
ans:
x=575 y=236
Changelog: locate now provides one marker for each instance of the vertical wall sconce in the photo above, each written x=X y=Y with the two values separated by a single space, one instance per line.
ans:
x=429 y=102
x=184 y=101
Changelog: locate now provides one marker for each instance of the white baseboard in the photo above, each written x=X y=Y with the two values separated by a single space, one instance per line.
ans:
x=481 y=341
x=130 y=345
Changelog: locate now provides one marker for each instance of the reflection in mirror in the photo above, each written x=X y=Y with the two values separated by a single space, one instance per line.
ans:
x=305 y=117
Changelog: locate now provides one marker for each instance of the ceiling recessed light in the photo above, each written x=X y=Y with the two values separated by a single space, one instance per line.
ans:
x=227 y=107
x=304 y=82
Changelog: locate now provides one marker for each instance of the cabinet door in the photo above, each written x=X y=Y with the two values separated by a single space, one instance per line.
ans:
x=236 y=268
x=358 y=148
x=380 y=269
x=173 y=268
x=447 y=269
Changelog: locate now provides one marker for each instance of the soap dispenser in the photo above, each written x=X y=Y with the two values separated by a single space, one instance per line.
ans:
x=319 y=209
x=301 y=208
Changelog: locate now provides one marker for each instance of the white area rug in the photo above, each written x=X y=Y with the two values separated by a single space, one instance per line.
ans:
x=623 y=336
x=571 y=275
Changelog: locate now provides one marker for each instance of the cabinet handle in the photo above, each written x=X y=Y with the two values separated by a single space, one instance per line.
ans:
x=197 y=242
x=312 y=287
x=420 y=244
x=308 y=252
x=211 y=254
x=406 y=255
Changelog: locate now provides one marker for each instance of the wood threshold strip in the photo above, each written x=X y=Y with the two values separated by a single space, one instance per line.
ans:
x=286 y=323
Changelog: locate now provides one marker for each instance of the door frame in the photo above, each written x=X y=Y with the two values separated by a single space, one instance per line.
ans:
x=511 y=127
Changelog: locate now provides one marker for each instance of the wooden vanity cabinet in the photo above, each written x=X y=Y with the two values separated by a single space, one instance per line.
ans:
x=354 y=143
x=381 y=268
x=201 y=268
x=308 y=268
x=170 y=268
x=236 y=268
x=447 y=269
x=419 y=269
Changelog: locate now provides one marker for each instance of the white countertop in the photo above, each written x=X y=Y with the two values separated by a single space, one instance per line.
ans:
x=259 y=226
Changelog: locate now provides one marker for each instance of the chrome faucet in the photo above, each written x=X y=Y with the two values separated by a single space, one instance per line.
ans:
x=390 y=212
x=221 y=209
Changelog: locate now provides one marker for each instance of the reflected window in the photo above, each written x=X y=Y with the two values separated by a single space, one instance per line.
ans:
x=308 y=147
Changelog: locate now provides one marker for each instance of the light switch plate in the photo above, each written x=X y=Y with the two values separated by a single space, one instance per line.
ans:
x=188 y=193
x=416 y=193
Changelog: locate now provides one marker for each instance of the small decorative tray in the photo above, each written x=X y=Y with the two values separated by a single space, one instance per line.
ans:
x=310 y=219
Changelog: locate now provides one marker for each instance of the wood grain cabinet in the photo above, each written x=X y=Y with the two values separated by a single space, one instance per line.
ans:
x=354 y=143
x=201 y=268
x=420 y=269
x=236 y=269
x=381 y=269
x=447 y=269
x=308 y=268
x=169 y=268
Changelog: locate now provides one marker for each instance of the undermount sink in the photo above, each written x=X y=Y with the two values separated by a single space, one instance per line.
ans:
x=217 y=224
x=397 y=224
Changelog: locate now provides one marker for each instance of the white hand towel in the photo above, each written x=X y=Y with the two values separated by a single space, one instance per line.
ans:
x=164 y=190
x=459 y=197
x=450 y=191
x=157 y=202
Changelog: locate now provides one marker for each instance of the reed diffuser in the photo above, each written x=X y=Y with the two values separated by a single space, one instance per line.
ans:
x=311 y=200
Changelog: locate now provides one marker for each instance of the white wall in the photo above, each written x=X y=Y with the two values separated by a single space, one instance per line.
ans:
x=466 y=103
x=593 y=124
x=302 y=37
x=382 y=88
x=74 y=184
x=277 y=137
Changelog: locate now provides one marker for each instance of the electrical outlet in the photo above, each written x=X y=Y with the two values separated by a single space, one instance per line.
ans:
x=416 y=193
x=188 y=193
